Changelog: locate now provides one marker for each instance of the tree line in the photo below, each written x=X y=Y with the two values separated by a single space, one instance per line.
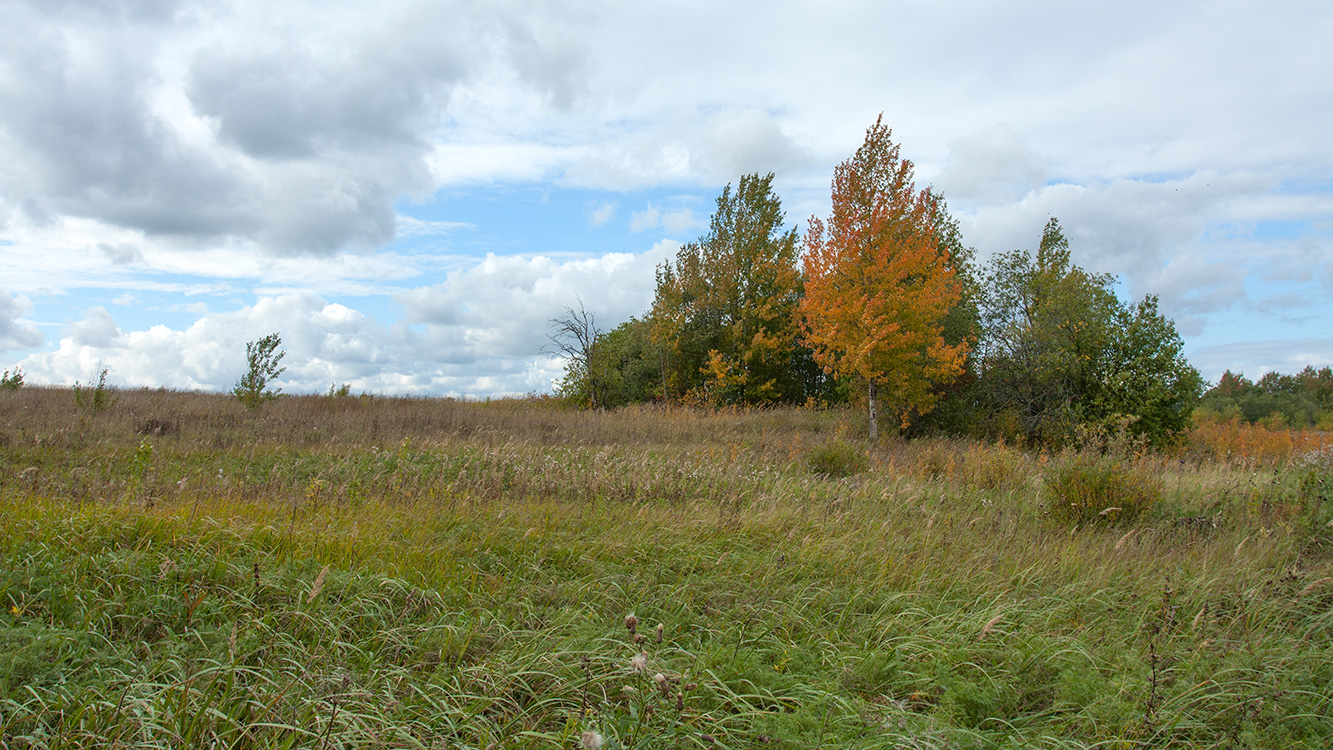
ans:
x=881 y=303
x=1299 y=401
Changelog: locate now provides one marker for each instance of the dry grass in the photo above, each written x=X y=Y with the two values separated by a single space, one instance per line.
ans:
x=421 y=573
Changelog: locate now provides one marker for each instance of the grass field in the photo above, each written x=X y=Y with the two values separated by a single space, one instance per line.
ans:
x=177 y=571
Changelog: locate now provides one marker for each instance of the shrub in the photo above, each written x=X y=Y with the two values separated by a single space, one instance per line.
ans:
x=1097 y=489
x=936 y=460
x=12 y=382
x=95 y=396
x=836 y=458
x=996 y=468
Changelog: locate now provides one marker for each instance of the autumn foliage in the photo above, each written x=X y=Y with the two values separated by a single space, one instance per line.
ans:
x=879 y=283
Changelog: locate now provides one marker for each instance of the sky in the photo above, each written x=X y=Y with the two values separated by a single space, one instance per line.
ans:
x=408 y=191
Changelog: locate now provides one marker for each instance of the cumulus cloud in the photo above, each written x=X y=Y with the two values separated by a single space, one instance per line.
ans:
x=14 y=334
x=480 y=332
x=97 y=329
x=1190 y=240
x=501 y=306
x=241 y=121
x=692 y=148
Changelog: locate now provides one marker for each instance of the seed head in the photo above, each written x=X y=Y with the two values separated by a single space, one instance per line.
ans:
x=639 y=663
x=658 y=632
x=631 y=623
x=990 y=626
x=663 y=683
x=590 y=741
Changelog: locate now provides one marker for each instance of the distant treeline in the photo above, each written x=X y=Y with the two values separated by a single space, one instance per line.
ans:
x=1303 y=400
x=882 y=301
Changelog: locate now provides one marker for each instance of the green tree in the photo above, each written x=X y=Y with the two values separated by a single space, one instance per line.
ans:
x=1059 y=351
x=629 y=362
x=1147 y=376
x=725 y=311
x=262 y=357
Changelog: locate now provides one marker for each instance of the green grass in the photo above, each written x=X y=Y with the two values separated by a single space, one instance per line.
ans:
x=400 y=573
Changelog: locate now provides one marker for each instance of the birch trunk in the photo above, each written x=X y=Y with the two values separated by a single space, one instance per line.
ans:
x=874 y=417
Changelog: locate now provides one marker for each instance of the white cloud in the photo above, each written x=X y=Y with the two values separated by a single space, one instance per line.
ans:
x=602 y=213
x=649 y=218
x=15 y=334
x=994 y=166
x=1255 y=358
x=501 y=306
x=652 y=217
x=97 y=329
x=479 y=332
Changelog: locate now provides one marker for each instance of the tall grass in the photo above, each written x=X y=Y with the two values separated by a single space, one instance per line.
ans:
x=332 y=572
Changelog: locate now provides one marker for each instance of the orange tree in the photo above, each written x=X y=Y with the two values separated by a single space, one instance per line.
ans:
x=880 y=283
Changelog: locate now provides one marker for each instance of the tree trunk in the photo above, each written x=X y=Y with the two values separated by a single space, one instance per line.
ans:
x=874 y=420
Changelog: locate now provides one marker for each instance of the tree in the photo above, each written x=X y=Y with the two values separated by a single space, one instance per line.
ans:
x=725 y=311
x=262 y=357
x=1060 y=351
x=1147 y=376
x=575 y=336
x=1047 y=323
x=629 y=364
x=880 y=284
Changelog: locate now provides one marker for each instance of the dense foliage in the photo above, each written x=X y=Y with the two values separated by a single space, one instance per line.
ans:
x=1060 y=352
x=725 y=311
x=1298 y=401
x=886 y=303
x=879 y=284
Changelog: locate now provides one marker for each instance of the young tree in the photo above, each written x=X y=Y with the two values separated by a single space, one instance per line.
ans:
x=725 y=312
x=262 y=357
x=880 y=284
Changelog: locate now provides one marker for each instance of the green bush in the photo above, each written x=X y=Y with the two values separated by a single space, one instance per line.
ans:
x=12 y=382
x=94 y=397
x=1088 y=489
x=836 y=458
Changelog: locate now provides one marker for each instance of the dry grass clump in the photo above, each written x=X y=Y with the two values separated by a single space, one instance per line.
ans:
x=837 y=458
x=1088 y=489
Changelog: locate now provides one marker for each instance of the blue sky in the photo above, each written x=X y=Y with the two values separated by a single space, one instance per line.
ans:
x=408 y=191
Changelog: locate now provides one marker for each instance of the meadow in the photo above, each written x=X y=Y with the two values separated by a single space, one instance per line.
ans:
x=352 y=572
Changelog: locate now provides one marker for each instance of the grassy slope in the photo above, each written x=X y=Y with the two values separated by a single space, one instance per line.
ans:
x=402 y=573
